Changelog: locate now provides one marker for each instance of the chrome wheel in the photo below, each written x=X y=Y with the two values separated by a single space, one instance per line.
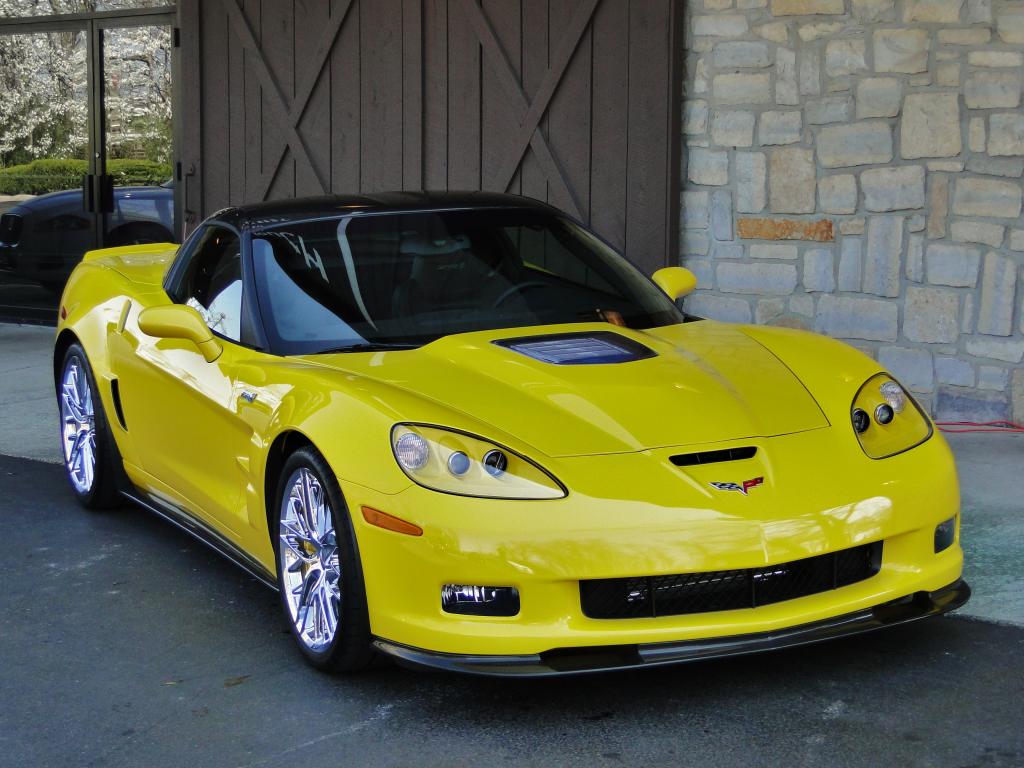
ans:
x=308 y=560
x=78 y=425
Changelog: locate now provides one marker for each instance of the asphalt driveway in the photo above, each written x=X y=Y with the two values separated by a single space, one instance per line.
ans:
x=124 y=643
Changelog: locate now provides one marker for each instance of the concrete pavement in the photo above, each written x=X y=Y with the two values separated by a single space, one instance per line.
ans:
x=125 y=643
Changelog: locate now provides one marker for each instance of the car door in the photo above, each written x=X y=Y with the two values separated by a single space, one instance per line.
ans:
x=181 y=411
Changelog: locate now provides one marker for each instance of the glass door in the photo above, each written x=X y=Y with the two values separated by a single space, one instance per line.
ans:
x=86 y=146
x=44 y=156
x=135 y=194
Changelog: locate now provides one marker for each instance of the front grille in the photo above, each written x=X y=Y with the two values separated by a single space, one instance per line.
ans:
x=683 y=593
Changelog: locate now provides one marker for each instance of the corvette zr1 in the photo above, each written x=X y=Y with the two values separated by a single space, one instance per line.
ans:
x=459 y=429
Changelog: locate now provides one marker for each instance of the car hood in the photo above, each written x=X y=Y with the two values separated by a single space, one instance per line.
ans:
x=706 y=382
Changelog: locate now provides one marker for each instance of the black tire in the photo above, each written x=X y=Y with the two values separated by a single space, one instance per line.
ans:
x=103 y=493
x=350 y=649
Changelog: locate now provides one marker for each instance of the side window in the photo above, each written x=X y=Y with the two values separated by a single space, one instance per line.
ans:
x=212 y=284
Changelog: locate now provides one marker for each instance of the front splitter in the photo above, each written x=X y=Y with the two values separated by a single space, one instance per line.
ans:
x=582 y=660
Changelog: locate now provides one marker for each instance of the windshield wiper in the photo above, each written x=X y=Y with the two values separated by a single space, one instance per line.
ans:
x=366 y=346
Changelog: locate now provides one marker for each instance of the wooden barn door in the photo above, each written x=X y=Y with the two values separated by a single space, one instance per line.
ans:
x=574 y=102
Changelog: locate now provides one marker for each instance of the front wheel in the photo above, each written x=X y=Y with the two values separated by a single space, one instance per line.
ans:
x=318 y=571
x=90 y=454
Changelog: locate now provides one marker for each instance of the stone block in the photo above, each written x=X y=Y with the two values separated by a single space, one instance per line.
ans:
x=820 y=270
x=882 y=256
x=992 y=90
x=702 y=269
x=845 y=57
x=758 y=278
x=773 y=251
x=740 y=55
x=832 y=109
x=852 y=226
x=938 y=205
x=952 y=370
x=1007 y=350
x=953 y=265
x=1009 y=167
x=879 y=97
x=998 y=293
x=721 y=308
x=786 y=88
x=1006 y=134
x=979 y=11
x=979 y=232
x=931 y=125
x=874 y=10
x=778 y=128
x=961 y=405
x=695 y=117
x=802 y=304
x=806 y=7
x=736 y=88
x=732 y=129
x=810 y=71
x=901 y=50
x=791 y=180
x=931 y=315
x=844 y=146
x=993 y=378
x=721 y=215
x=947 y=75
x=969 y=36
x=1017 y=239
x=850 y=267
x=720 y=25
x=976 y=134
x=751 y=175
x=696 y=209
x=1010 y=23
x=775 y=31
x=769 y=310
x=848 y=317
x=818 y=29
x=708 y=167
x=893 y=189
x=818 y=230
x=1017 y=395
x=989 y=198
x=727 y=251
x=912 y=367
x=932 y=11
x=838 y=193
x=915 y=259
x=694 y=242
x=995 y=59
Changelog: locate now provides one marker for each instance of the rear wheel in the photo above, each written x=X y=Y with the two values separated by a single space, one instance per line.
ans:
x=87 y=446
x=318 y=571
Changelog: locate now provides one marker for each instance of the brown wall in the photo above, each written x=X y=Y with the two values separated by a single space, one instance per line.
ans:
x=569 y=101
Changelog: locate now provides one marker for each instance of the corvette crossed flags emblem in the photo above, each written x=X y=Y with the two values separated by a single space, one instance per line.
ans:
x=745 y=487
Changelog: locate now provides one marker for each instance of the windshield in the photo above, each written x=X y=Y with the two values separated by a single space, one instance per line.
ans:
x=406 y=279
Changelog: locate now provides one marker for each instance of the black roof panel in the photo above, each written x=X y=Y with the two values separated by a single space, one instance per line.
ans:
x=258 y=215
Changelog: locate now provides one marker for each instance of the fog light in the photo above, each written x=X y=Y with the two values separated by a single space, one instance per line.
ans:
x=470 y=600
x=945 y=533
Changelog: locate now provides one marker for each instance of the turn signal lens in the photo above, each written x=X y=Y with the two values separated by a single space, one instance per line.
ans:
x=456 y=462
x=901 y=424
x=390 y=522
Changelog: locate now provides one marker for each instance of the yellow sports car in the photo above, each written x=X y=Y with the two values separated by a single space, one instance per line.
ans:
x=460 y=430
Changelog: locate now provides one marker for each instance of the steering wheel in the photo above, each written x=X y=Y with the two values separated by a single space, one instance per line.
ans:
x=517 y=288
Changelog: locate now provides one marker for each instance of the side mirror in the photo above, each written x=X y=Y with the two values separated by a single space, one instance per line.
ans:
x=178 y=321
x=675 y=281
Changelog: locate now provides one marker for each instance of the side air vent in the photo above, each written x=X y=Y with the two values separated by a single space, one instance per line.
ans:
x=115 y=395
x=592 y=348
x=713 y=457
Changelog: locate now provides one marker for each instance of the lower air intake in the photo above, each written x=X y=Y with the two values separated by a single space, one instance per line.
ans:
x=683 y=593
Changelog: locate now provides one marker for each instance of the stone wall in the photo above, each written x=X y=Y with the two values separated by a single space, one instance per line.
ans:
x=854 y=167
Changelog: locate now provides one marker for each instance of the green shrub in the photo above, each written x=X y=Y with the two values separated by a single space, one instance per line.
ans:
x=41 y=176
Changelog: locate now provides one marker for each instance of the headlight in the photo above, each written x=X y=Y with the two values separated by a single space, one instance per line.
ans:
x=455 y=462
x=886 y=419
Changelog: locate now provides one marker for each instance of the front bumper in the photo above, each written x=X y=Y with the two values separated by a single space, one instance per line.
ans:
x=568 y=661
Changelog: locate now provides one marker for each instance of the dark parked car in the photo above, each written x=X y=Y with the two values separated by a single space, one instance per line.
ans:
x=42 y=239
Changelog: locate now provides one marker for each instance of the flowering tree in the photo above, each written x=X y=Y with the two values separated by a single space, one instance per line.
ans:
x=43 y=87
